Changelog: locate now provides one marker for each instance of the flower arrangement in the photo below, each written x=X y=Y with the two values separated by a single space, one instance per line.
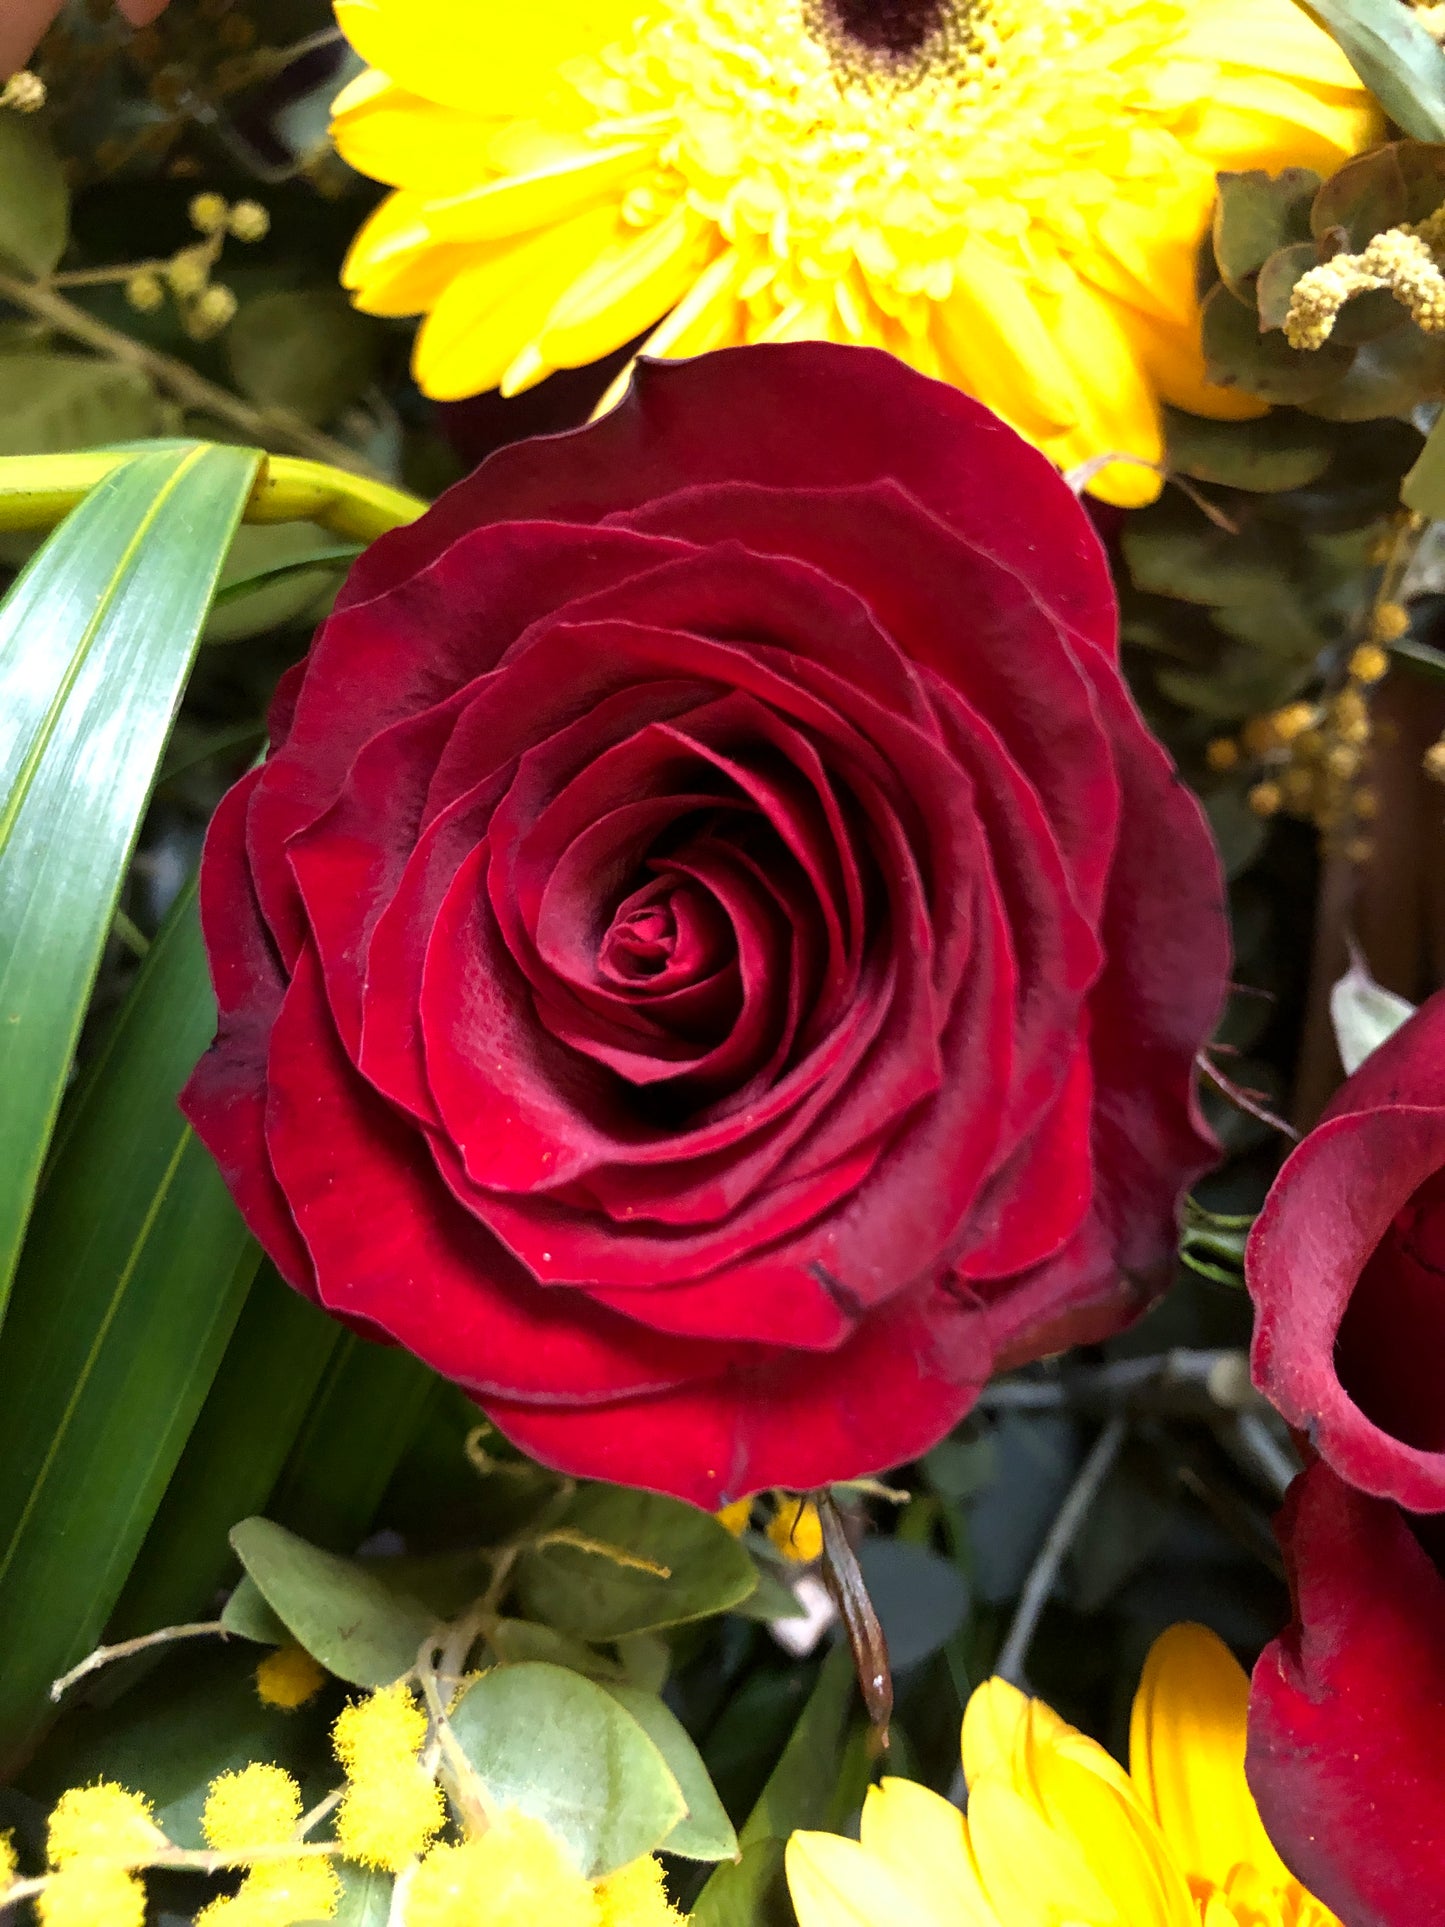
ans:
x=720 y=964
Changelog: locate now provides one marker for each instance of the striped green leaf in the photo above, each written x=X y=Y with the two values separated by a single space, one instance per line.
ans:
x=133 y=1275
x=96 y=640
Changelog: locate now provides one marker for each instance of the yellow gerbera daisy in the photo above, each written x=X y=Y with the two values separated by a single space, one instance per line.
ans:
x=1010 y=194
x=1058 y=1833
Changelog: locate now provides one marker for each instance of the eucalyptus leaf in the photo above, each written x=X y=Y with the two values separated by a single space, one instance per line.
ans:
x=366 y=1896
x=354 y=1619
x=562 y=1749
x=705 y=1832
x=34 y=203
x=677 y=1563
x=1255 y=215
x=1363 y=1013
x=1392 y=53
x=51 y=401
x=247 y=1615
x=1282 y=450
x=515 y=1641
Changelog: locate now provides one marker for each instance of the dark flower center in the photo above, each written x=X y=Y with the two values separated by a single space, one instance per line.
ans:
x=894 y=28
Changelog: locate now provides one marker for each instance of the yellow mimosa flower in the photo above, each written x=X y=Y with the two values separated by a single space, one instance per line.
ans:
x=1009 y=194
x=1058 y=1835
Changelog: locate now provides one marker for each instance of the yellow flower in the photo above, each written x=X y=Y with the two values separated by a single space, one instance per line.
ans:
x=92 y=1893
x=102 y=1822
x=288 y=1677
x=278 y=1893
x=1008 y=194
x=1057 y=1832
x=9 y=1862
x=513 y=1875
x=797 y=1531
x=257 y=1807
x=735 y=1516
x=387 y=1819
x=634 y=1896
x=375 y=1735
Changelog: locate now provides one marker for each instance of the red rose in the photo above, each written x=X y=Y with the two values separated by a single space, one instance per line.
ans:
x=1348 y=1708
x=714 y=959
x=1346 y=1264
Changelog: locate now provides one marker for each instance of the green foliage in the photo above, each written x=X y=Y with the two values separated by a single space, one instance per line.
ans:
x=359 y=1621
x=133 y=1275
x=704 y=1832
x=50 y=400
x=95 y=643
x=1270 y=230
x=703 y=1569
x=34 y=204
x=564 y=1750
x=258 y=1401
x=305 y=350
x=1395 y=57
x=809 y=1788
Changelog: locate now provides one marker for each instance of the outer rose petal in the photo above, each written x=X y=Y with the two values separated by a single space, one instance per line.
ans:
x=795 y=1420
x=1347 y=1711
x=1347 y=1312
x=774 y=417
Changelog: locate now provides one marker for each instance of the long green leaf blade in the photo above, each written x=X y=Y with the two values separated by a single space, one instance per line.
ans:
x=96 y=640
x=133 y=1275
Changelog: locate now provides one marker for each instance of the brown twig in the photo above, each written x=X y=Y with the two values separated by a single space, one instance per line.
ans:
x=274 y=428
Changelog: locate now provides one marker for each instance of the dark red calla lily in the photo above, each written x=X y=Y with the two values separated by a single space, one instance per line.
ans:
x=1346 y=1264
x=1348 y=1707
x=714 y=959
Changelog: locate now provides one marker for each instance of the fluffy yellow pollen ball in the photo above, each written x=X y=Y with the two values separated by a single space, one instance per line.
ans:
x=258 y=1806
x=102 y=1822
x=387 y=1818
x=92 y=1893
x=371 y=1735
x=514 y=1875
x=288 y=1678
x=634 y=1896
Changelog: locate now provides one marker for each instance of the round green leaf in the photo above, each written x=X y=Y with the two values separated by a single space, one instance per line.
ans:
x=354 y=1619
x=558 y=1747
x=684 y=1566
x=704 y=1832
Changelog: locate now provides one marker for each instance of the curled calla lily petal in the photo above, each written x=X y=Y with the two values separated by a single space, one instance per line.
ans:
x=1346 y=1264
x=714 y=959
x=1347 y=1709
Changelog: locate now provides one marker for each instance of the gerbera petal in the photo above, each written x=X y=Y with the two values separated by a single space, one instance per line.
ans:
x=483 y=56
x=626 y=289
x=493 y=308
x=834 y=1883
x=1186 y=1755
x=922 y=1840
x=400 y=138
x=1037 y=1876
